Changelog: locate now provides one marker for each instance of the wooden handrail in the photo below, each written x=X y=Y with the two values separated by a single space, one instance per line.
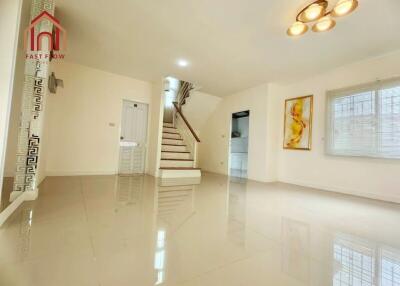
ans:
x=186 y=122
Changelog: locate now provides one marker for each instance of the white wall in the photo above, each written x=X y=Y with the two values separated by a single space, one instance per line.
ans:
x=268 y=161
x=9 y=22
x=80 y=138
x=198 y=108
x=170 y=97
x=215 y=135
x=156 y=127
x=18 y=87
x=372 y=178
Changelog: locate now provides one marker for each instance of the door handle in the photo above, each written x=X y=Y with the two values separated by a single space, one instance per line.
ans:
x=122 y=137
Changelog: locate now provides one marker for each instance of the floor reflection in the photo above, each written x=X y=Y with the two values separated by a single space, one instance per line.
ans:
x=176 y=201
x=296 y=249
x=236 y=229
x=25 y=232
x=129 y=189
x=159 y=259
x=136 y=230
x=359 y=262
x=175 y=207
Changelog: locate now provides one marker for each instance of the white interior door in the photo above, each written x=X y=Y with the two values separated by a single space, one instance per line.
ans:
x=132 y=154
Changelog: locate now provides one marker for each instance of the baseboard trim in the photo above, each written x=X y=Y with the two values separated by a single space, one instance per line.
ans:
x=79 y=173
x=15 y=195
x=332 y=189
x=250 y=178
x=17 y=199
x=9 y=174
x=31 y=195
x=5 y=214
x=344 y=191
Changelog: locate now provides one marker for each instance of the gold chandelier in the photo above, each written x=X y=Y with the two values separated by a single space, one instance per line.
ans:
x=318 y=14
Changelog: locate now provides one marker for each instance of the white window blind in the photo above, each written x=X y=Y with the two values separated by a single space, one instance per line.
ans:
x=365 y=120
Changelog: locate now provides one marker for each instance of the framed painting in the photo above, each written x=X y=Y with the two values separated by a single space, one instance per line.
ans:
x=298 y=123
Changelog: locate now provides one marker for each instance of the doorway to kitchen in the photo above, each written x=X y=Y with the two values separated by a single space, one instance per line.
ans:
x=239 y=144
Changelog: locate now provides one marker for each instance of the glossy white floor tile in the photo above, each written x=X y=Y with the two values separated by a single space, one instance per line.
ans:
x=109 y=230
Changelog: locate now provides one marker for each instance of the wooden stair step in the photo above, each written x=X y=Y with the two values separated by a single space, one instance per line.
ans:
x=179 y=168
x=171 y=190
x=175 y=151
x=179 y=139
x=177 y=160
x=172 y=136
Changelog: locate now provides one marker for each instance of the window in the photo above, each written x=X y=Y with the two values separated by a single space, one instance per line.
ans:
x=390 y=267
x=365 y=121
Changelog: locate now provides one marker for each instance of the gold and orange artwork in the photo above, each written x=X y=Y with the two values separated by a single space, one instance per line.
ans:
x=298 y=123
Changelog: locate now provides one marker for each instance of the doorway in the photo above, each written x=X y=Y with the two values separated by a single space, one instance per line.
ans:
x=239 y=144
x=133 y=138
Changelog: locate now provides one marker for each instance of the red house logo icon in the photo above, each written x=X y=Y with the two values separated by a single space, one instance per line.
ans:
x=54 y=41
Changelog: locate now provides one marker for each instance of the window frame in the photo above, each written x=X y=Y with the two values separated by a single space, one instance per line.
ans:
x=331 y=95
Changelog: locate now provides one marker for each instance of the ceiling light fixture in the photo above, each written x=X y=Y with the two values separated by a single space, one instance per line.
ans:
x=297 y=29
x=317 y=13
x=324 y=24
x=344 y=7
x=313 y=12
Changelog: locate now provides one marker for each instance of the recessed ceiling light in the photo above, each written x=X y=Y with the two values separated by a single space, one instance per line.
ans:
x=182 y=63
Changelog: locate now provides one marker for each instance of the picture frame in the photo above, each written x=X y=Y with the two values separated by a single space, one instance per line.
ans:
x=298 y=120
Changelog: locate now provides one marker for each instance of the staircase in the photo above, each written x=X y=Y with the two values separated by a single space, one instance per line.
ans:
x=177 y=158
x=179 y=140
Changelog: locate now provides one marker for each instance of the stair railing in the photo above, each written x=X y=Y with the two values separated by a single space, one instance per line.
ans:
x=189 y=136
x=184 y=92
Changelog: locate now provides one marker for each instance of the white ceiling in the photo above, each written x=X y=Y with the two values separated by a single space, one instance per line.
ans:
x=231 y=45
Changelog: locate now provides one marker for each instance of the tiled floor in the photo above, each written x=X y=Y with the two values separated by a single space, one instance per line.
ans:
x=117 y=231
